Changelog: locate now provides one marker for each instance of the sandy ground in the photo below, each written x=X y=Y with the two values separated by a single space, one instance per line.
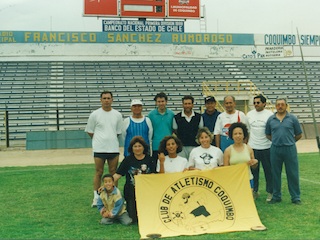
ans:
x=12 y=157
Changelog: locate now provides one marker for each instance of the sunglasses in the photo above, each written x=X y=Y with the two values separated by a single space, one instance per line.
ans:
x=256 y=102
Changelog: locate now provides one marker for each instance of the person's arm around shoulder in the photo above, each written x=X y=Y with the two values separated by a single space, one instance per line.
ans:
x=116 y=177
x=226 y=156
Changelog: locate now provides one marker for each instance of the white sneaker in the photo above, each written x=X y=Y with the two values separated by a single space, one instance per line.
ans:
x=94 y=203
x=269 y=197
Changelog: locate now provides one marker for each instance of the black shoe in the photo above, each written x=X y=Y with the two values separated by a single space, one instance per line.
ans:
x=297 y=202
x=273 y=201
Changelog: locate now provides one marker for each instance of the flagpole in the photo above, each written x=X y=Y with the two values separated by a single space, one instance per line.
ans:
x=309 y=94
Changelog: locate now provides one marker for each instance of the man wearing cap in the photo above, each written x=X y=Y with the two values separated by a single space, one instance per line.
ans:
x=210 y=115
x=136 y=125
x=104 y=127
x=224 y=121
x=161 y=118
x=186 y=125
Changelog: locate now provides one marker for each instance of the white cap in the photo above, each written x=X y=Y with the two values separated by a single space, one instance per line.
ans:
x=136 y=102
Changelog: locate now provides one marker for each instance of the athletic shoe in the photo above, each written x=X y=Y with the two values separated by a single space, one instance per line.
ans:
x=297 y=202
x=273 y=201
x=255 y=195
x=94 y=203
x=269 y=197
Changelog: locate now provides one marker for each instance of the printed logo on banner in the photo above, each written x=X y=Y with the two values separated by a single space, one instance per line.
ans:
x=196 y=204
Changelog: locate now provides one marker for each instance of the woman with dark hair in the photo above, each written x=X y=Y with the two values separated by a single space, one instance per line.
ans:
x=138 y=162
x=168 y=159
x=239 y=152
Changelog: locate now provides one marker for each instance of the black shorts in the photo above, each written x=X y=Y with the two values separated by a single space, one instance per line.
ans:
x=105 y=156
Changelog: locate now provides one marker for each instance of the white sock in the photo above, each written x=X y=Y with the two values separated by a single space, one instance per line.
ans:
x=95 y=194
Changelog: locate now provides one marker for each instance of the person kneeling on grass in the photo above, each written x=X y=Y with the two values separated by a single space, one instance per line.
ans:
x=111 y=203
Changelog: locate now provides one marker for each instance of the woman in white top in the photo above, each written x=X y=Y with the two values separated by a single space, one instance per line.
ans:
x=239 y=152
x=168 y=159
x=205 y=156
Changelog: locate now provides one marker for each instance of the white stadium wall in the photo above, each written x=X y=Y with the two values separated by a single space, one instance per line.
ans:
x=99 y=46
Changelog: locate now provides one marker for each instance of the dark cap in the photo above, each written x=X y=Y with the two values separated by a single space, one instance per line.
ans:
x=209 y=99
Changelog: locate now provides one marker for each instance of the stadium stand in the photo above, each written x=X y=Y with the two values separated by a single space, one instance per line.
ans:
x=60 y=95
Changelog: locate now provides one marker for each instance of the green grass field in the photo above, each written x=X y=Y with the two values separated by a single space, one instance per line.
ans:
x=53 y=202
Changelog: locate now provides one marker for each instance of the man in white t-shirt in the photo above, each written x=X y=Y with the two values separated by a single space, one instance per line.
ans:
x=260 y=144
x=104 y=127
x=224 y=121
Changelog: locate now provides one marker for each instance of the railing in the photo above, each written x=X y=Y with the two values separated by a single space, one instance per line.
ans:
x=17 y=122
x=239 y=87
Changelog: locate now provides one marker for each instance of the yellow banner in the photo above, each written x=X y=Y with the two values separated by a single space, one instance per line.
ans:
x=196 y=202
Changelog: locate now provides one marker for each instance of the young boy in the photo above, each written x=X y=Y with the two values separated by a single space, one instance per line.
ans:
x=111 y=204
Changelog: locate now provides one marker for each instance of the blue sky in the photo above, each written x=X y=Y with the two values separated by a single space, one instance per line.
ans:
x=224 y=16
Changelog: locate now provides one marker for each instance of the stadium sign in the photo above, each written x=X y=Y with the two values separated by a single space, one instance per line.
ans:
x=126 y=37
x=142 y=26
x=185 y=9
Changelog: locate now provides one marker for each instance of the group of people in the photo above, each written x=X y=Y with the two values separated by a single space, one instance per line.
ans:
x=164 y=142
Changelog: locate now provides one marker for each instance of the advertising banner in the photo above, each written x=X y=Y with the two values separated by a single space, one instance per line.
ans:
x=143 y=8
x=101 y=7
x=184 y=8
x=142 y=26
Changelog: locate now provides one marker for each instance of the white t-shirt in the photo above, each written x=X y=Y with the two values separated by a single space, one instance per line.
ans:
x=105 y=126
x=172 y=165
x=224 y=121
x=257 y=123
x=206 y=158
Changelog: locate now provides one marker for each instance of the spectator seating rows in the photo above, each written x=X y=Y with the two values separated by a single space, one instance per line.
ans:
x=33 y=93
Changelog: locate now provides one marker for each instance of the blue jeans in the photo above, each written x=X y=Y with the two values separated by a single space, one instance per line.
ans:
x=288 y=156
x=263 y=157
